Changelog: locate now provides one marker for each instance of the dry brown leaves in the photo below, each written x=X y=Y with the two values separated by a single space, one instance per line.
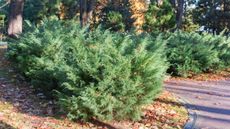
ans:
x=219 y=75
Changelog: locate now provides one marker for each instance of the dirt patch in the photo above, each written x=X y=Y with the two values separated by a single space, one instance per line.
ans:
x=217 y=76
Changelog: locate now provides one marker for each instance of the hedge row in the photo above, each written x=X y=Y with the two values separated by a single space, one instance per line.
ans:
x=105 y=75
x=96 y=74
x=193 y=53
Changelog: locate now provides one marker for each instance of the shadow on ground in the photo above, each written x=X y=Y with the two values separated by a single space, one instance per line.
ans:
x=209 y=99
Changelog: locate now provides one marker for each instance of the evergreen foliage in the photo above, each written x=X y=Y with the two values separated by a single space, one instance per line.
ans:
x=188 y=23
x=96 y=74
x=115 y=21
x=222 y=45
x=116 y=16
x=192 y=53
x=214 y=15
x=159 y=17
x=37 y=10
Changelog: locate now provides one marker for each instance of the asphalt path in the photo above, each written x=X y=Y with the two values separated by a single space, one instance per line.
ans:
x=210 y=100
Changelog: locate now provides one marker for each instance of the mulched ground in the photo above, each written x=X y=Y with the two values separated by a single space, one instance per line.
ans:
x=22 y=108
x=212 y=76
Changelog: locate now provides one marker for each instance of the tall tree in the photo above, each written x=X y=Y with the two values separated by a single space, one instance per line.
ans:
x=86 y=11
x=213 y=15
x=138 y=8
x=160 y=2
x=178 y=5
x=159 y=16
x=180 y=13
x=15 y=17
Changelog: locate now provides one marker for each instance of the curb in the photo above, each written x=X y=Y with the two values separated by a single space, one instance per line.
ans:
x=192 y=114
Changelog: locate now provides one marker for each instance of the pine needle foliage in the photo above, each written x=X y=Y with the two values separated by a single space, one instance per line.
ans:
x=96 y=74
x=114 y=21
x=222 y=45
x=191 y=53
x=159 y=17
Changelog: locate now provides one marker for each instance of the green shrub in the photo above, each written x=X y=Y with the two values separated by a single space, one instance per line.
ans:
x=188 y=53
x=159 y=18
x=114 y=21
x=95 y=74
x=222 y=45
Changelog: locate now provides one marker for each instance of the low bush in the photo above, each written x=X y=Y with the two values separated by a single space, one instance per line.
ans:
x=222 y=45
x=192 y=53
x=96 y=74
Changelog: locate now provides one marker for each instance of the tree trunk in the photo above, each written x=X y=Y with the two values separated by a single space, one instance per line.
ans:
x=83 y=12
x=15 y=17
x=173 y=3
x=159 y=2
x=86 y=11
x=180 y=13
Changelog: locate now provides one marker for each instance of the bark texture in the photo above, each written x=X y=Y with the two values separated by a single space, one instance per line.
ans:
x=180 y=13
x=86 y=11
x=15 y=17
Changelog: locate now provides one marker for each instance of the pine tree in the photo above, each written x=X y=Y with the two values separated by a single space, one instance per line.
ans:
x=214 y=15
x=159 y=17
x=15 y=17
x=35 y=11
x=86 y=11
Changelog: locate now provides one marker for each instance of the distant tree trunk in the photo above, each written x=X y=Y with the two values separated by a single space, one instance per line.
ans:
x=115 y=4
x=159 y=2
x=83 y=12
x=15 y=17
x=86 y=11
x=180 y=13
x=173 y=2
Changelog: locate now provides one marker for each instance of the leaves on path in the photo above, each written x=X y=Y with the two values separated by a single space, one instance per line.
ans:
x=219 y=75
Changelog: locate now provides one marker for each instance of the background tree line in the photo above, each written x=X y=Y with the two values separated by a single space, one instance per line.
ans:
x=122 y=15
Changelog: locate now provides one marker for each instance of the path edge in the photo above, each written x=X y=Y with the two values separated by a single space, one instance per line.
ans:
x=190 y=124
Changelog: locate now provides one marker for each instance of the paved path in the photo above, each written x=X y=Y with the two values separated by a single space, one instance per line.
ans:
x=210 y=100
